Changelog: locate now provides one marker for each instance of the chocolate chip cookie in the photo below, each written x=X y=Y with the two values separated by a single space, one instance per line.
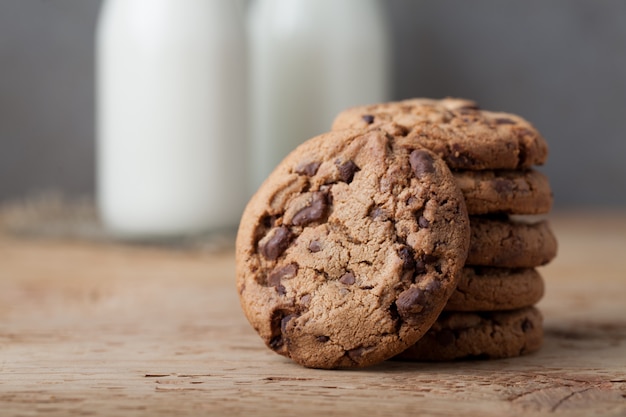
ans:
x=479 y=336
x=349 y=251
x=509 y=243
x=464 y=136
x=511 y=192
x=493 y=289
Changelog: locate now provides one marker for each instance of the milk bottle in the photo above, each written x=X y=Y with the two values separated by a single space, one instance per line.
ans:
x=171 y=116
x=310 y=59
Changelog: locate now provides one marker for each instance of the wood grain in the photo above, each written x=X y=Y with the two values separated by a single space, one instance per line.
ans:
x=100 y=329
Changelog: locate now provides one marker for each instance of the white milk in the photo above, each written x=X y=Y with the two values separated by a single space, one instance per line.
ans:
x=171 y=116
x=310 y=59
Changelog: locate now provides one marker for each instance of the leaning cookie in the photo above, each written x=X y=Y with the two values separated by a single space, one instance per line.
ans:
x=507 y=243
x=463 y=135
x=510 y=192
x=350 y=249
x=494 y=289
x=494 y=335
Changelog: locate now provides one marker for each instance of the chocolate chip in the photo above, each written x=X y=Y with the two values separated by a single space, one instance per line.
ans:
x=268 y=221
x=368 y=118
x=281 y=289
x=285 y=320
x=322 y=339
x=276 y=342
x=393 y=311
x=329 y=197
x=504 y=121
x=278 y=242
x=423 y=222
x=378 y=213
x=314 y=246
x=429 y=259
x=459 y=160
x=420 y=267
x=395 y=317
x=411 y=201
x=314 y=211
x=282 y=272
x=410 y=302
x=527 y=325
x=347 y=171
x=408 y=263
x=277 y=319
x=445 y=337
x=347 y=278
x=459 y=157
x=421 y=162
x=503 y=186
x=305 y=299
x=309 y=169
x=356 y=353
x=408 y=258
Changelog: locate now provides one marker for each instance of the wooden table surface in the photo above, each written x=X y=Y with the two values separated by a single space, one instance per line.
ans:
x=102 y=329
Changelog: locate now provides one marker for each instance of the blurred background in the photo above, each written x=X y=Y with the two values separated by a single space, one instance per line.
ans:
x=560 y=64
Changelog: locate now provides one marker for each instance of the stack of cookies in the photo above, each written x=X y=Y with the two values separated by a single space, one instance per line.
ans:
x=491 y=155
x=391 y=236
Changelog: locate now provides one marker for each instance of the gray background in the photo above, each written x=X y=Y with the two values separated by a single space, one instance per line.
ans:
x=560 y=63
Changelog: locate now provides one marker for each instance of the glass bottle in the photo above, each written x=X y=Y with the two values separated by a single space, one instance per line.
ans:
x=171 y=111
x=310 y=59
